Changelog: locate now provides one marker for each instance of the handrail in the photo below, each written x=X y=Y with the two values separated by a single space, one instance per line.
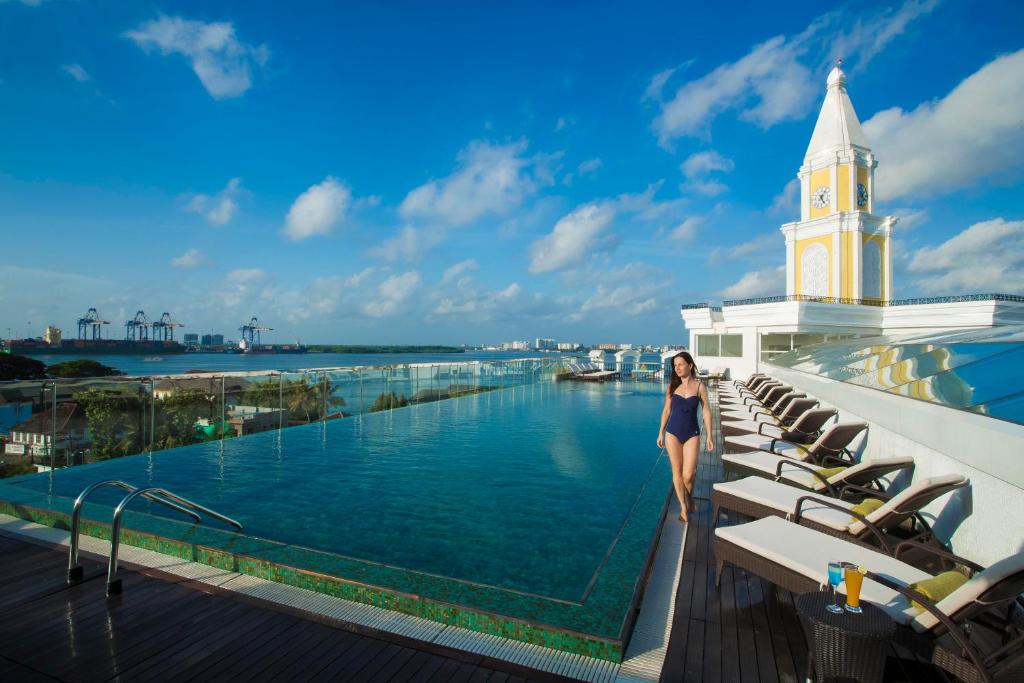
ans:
x=114 y=586
x=74 y=569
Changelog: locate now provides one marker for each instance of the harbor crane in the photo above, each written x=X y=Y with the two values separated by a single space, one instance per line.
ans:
x=90 y=325
x=137 y=328
x=164 y=327
x=251 y=332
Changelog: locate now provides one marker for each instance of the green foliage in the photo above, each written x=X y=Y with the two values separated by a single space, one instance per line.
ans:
x=304 y=398
x=82 y=367
x=14 y=469
x=388 y=401
x=13 y=366
x=115 y=422
x=176 y=417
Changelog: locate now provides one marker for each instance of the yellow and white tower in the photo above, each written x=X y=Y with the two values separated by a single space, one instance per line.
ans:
x=838 y=248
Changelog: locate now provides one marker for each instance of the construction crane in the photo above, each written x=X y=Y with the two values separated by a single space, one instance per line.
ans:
x=164 y=327
x=251 y=332
x=90 y=325
x=137 y=328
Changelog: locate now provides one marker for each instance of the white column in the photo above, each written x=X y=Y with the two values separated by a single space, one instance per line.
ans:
x=857 y=276
x=887 y=269
x=834 y=188
x=790 y=265
x=805 y=194
x=836 y=264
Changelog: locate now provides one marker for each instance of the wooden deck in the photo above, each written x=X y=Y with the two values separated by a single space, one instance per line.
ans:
x=165 y=628
x=748 y=630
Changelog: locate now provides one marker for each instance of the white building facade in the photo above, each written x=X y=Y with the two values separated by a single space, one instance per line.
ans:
x=838 y=264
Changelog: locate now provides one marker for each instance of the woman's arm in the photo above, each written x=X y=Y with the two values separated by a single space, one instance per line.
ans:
x=664 y=419
x=703 y=393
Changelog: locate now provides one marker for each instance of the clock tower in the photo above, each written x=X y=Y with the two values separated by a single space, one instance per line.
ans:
x=839 y=248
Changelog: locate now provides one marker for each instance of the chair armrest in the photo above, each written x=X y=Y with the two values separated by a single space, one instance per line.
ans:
x=878 y=533
x=845 y=462
x=938 y=552
x=967 y=648
x=802 y=466
x=875 y=493
x=760 y=429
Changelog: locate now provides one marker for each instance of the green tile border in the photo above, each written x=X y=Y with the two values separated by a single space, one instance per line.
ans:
x=563 y=639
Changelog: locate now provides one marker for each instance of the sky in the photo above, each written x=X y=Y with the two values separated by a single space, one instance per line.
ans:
x=473 y=172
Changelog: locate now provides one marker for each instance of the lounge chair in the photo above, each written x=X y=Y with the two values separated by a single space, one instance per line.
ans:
x=837 y=436
x=804 y=429
x=865 y=474
x=749 y=380
x=950 y=632
x=898 y=515
x=748 y=412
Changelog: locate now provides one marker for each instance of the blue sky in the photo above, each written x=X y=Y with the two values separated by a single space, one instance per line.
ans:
x=469 y=172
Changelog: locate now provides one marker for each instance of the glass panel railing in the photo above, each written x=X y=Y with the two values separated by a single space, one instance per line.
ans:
x=69 y=422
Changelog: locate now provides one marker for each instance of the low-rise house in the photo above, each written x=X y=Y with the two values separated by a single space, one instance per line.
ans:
x=34 y=438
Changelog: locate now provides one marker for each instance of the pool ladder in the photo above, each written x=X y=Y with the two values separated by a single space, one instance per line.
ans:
x=153 y=493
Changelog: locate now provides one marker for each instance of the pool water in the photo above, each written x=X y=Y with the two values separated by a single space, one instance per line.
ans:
x=533 y=491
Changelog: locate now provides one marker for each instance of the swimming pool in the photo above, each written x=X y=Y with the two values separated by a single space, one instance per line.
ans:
x=529 y=512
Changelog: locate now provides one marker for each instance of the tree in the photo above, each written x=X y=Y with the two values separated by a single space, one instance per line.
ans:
x=388 y=401
x=305 y=398
x=82 y=367
x=177 y=414
x=13 y=367
x=115 y=422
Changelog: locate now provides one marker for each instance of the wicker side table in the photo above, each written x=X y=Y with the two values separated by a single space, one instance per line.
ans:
x=852 y=646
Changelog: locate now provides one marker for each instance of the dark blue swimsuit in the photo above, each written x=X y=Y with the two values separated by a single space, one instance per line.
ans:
x=682 y=421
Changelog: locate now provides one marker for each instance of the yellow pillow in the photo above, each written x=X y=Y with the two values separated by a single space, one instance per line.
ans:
x=938 y=587
x=867 y=506
x=829 y=472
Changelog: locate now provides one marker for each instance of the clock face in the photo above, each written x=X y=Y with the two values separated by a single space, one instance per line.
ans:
x=820 y=198
x=862 y=195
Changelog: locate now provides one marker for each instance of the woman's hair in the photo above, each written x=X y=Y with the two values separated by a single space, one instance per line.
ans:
x=675 y=381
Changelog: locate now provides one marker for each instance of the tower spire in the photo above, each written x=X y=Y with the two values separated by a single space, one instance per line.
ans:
x=838 y=129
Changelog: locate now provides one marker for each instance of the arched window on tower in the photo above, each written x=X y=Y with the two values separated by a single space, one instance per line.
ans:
x=872 y=276
x=814 y=271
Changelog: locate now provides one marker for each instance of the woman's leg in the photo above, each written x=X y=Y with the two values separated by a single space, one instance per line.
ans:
x=675 y=456
x=689 y=467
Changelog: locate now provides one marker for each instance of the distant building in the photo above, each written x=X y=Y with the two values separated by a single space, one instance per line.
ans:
x=625 y=347
x=608 y=347
x=544 y=344
x=515 y=346
x=191 y=339
x=568 y=346
x=34 y=437
x=52 y=335
x=252 y=419
x=233 y=387
x=213 y=340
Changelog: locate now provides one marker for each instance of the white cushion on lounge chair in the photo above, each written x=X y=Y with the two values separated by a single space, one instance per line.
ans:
x=754 y=425
x=769 y=462
x=783 y=498
x=763 y=443
x=808 y=552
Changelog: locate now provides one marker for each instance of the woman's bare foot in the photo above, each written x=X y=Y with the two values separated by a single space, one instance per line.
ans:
x=683 y=519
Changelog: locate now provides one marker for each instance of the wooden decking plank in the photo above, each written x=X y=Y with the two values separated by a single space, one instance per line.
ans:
x=445 y=671
x=762 y=632
x=712 y=656
x=464 y=673
x=730 y=633
x=316 y=638
x=694 y=667
x=784 y=664
x=335 y=645
x=355 y=659
x=411 y=667
x=13 y=671
x=430 y=669
x=370 y=669
x=393 y=666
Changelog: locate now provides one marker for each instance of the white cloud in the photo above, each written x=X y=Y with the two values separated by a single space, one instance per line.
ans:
x=575 y=238
x=775 y=81
x=192 y=258
x=770 y=244
x=767 y=282
x=457 y=269
x=391 y=294
x=657 y=84
x=973 y=133
x=77 y=72
x=220 y=208
x=986 y=257
x=29 y=3
x=697 y=170
x=909 y=218
x=631 y=289
x=410 y=244
x=589 y=166
x=490 y=180
x=247 y=276
x=318 y=210
x=687 y=230
x=223 y=63
x=359 y=278
x=787 y=202
x=563 y=123
x=481 y=306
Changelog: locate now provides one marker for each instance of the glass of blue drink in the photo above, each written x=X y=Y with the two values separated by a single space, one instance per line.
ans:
x=835 y=577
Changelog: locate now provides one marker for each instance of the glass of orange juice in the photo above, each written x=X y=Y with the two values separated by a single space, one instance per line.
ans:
x=854 y=577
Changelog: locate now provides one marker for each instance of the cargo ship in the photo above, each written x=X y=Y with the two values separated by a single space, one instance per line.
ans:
x=149 y=347
x=245 y=347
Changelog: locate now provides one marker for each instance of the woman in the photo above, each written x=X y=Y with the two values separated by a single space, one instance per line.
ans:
x=679 y=419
